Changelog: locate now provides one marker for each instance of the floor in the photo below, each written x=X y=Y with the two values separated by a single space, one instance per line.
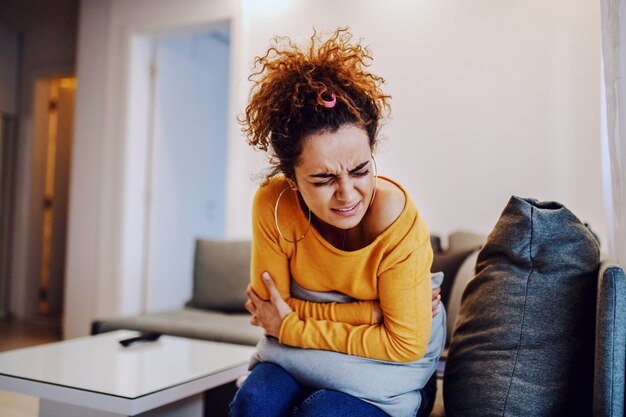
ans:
x=18 y=334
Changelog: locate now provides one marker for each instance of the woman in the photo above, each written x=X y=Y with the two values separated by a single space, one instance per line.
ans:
x=340 y=275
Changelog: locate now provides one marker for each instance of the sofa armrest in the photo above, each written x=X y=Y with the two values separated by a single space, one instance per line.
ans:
x=610 y=349
x=189 y=322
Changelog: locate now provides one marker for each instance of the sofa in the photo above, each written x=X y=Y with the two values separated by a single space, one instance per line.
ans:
x=221 y=274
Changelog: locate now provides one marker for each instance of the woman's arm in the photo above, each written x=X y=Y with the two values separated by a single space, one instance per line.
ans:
x=402 y=337
x=355 y=313
x=271 y=330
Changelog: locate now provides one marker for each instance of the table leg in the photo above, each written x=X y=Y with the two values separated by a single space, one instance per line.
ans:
x=188 y=407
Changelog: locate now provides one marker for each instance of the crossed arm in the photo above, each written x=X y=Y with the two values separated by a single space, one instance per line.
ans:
x=270 y=314
x=395 y=285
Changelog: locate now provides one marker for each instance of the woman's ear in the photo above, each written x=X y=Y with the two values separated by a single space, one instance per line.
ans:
x=292 y=184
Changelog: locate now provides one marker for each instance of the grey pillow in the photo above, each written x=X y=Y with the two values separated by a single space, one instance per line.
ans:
x=221 y=275
x=523 y=340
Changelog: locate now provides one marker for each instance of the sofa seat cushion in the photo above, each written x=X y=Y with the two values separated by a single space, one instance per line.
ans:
x=192 y=323
x=523 y=340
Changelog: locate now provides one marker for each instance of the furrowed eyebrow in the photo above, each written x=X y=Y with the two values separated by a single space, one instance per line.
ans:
x=326 y=175
x=359 y=167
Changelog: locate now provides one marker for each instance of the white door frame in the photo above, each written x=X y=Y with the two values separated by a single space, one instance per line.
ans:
x=103 y=265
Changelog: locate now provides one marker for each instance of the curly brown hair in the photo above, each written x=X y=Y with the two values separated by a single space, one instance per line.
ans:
x=291 y=82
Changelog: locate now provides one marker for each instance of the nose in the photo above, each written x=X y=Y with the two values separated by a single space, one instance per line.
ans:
x=345 y=191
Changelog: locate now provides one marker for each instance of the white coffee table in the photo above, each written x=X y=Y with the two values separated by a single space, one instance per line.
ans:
x=96 y=377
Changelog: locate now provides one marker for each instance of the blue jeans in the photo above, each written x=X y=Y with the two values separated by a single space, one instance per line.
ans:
x=270 y=391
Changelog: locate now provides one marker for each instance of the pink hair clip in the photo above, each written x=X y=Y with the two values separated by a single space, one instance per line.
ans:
x=328 y=104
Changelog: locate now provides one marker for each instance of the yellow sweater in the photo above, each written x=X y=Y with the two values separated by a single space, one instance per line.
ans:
x=394 y=269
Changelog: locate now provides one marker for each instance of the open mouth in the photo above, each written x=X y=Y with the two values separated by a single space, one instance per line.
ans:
x=347 y=211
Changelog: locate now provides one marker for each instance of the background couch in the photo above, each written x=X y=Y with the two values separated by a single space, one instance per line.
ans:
x=215 y=311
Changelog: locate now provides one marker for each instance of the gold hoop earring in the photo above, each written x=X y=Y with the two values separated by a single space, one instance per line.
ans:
x=276 y=220
x=375 y=181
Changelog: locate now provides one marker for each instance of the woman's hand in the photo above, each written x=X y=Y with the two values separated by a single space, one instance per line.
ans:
x=377 y=314
x=267 y=314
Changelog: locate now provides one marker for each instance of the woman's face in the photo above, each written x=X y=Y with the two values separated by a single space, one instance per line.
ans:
x=336 y=176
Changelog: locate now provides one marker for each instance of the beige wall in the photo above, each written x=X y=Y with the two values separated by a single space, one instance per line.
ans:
x=490 y=99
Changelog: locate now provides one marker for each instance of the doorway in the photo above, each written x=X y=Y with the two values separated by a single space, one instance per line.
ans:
x=176 y=158
x=54 y=119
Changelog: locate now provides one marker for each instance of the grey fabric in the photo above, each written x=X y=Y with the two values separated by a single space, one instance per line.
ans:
x=523 y=341
x=436 y=279
x=464 y=274
x=608 y=395
x=221 y=275
x=189 y=322
x=297 y=291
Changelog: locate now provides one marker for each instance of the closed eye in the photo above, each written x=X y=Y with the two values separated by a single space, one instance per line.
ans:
x=354 y=174
x=323 y=183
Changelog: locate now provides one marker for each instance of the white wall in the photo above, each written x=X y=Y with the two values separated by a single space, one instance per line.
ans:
x=188 y=160
x=490 y=99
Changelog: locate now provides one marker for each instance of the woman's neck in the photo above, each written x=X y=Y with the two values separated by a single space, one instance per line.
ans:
x=333 y=235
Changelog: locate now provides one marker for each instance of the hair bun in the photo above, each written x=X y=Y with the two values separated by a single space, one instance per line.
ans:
x=295 y=87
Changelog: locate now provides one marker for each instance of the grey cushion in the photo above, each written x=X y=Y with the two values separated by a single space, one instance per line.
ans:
x=449 y=262
x=221 y=275
x=458 y=241
x=608 y=396
x=193 y=323
x=464 y=275
x=523 y=341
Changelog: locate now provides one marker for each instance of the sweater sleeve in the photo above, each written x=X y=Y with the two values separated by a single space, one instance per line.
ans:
x=270 y=253
x=404 y=290
x=355 y=313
